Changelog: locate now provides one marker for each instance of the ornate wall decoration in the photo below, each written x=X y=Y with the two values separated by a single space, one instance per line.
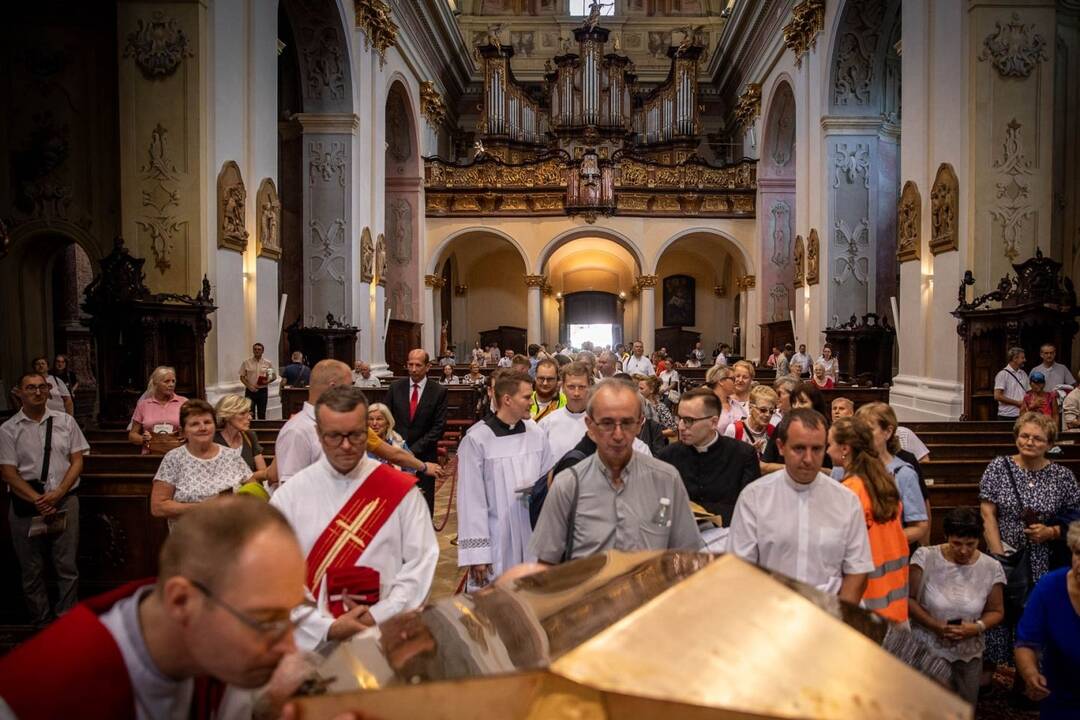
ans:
x=1012 y=191
x=745 y=282
x=1014 y=49
x=523 y=42
x=807 y=20
x=780 y=212
x=431 y=104
x=327 y=251
x=398 y=137
x=813 y=258
x=158 y=45
x=323 y=63
x=367 y=256
x=853 y=73
x=435 y=281
x=748 y=106
x=798 y=260
x=380 y=260
x=849 y=163
x=231 y=199
x=380 y=32
x=538 y=281
x=325 y=164
x=852 y=263
x=944 y=209
x=160 y=198
x=909 y=223
x=782 y=131
x=779 y=302
x=399 y=230
x=268 y=236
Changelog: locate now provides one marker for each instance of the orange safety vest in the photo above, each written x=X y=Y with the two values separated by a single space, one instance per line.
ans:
x=887 y=586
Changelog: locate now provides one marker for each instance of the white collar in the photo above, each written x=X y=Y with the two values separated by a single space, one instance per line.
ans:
x=419 y=385
x=361 y=471
x=705 y=448
x=309 y=410
x=798 y=486
x=23 y=417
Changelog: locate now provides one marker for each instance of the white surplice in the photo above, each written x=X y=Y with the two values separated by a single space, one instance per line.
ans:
x=564 y=430
x=404 y=551
x=495 y=464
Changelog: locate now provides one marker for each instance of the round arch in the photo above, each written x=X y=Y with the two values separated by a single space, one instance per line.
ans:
x=322 y=53
x=579 y=232
x=58 y=228
x=776 y=150
x=398 y=83
x=735 y=249
x=441 y=251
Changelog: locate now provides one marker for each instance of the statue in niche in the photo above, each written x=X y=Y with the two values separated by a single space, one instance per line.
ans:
x=380 y=259
x=232 y=231
x=813 y=258
x=367 y=256
x=444 y=342
x=268 y=240
x=799 y=258
x=400 y=230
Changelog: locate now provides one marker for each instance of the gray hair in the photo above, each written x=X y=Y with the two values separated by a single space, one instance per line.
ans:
x=1072 y=538
x=615 y=385
x=1013 y=352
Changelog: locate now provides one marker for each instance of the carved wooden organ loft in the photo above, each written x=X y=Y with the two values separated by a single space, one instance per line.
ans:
x=589 y=141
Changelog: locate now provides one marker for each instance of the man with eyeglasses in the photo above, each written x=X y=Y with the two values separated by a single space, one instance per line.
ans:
x=498 y=460
x=714 y=468
x=41 y=457
x=197 y=642
x=298 y=446
x=617 y=499
x=547 y=397
x=363 y=525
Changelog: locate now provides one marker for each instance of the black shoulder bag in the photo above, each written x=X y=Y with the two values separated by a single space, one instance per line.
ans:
x=568 y=549
x=1017 y=566
x=25 y=508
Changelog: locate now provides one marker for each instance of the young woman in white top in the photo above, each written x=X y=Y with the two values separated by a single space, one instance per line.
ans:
x=832 y=366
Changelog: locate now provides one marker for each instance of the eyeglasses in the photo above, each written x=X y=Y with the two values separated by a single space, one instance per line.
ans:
x=334 y=439
x=607 y=425
x=765 y=410
x=272 y=630
x=685 y=420
x=546 y=379
x=36 y=388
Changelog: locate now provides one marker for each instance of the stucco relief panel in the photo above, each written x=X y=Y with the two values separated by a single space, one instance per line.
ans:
x=851 y=266
x=328 y=263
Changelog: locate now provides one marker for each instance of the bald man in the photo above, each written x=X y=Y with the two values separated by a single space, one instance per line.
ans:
x=419 y=410
x=298 y=444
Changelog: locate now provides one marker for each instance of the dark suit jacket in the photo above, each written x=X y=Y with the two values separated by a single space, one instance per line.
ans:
x=715 y=477
x=424 y=431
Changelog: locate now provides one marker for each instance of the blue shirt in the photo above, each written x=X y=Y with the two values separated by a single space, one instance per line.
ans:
x=907 y=482
x=296 y=374
x=1051 y=626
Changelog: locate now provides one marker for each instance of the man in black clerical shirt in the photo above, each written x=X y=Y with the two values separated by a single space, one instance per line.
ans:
x=714 y=469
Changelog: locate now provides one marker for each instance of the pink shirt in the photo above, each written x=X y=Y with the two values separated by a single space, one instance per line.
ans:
x=150 y=412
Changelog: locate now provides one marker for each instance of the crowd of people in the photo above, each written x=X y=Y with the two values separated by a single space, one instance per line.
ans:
x=574 y=454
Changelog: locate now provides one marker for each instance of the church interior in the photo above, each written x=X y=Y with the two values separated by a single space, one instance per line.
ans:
x=895 y=181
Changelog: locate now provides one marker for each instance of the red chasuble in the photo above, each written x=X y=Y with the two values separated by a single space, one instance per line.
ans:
x=335 y=553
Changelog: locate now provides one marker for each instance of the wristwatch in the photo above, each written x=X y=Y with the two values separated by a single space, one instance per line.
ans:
x=982 y=626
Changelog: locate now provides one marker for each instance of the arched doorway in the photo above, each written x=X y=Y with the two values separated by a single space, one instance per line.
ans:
x=698 y=296
x=484 y=273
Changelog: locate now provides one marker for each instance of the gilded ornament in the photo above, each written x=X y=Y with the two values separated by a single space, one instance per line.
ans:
x=807 y=20
x=944 y=209
x=909 y=224
x=380 y=32
x=232 y=197
x=431 y=104
x=537 y=281
x=798 y=260
x=813 y=258
x=748 y=106
x=435 y=281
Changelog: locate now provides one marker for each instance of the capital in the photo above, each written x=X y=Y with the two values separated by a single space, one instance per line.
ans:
x=536 y=281
x=434 y=281
x=647 y=281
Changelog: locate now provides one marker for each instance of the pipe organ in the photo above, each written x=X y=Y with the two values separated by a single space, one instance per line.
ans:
x=510 y=114
x=669 y=113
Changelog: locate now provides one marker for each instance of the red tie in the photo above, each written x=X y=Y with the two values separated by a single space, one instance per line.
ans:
x=413 y=401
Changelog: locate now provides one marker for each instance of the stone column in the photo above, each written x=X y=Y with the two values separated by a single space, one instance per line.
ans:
x=535 y=284
x=433 y=285
x=647 y=310
x=329 y=249
x=751 y=331
x=378 y=338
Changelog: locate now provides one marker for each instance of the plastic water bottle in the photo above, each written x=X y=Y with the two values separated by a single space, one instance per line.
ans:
x=662 y=518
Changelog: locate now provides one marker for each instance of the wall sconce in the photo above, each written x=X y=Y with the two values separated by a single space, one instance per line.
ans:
x=622 y=294
x=558 y=296
x=460 y=290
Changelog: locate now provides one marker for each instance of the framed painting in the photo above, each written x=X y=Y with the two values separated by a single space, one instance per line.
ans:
x=678 y=301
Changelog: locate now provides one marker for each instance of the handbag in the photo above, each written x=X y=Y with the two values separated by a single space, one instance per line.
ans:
x=25 y=508
x=1017 y=567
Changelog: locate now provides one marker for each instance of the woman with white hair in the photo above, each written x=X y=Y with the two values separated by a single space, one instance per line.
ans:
x=234 y=431
x=381 y=421
x=158 y=410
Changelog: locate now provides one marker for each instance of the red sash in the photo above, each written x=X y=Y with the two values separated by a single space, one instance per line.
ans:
x=334 y=554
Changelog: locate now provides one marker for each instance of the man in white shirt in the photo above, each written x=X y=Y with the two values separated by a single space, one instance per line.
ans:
x=910 y=441
x=637 y=363
x=40 y=488
x=507 y=359
x=499 y=459
x=1055 y=373
x=1010 y=385
x=256 y=373
x=362 y=376
x=363 y=525
x=802 y=359
x=800 y=522
x=298 y=445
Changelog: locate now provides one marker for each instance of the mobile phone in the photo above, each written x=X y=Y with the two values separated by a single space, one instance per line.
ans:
x=954 y=621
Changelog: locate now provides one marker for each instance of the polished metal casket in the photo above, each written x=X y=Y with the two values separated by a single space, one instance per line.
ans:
x=632 y=635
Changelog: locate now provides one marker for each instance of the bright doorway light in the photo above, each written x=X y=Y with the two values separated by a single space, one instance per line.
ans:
x=598 y=335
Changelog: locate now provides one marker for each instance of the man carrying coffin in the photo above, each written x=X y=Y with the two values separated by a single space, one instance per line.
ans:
x=499 y=459
x=364 y=527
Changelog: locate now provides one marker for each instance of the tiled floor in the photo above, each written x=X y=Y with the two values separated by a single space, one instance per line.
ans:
x=447 y=574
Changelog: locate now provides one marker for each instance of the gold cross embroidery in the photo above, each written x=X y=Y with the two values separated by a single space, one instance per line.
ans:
x=348 y=534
